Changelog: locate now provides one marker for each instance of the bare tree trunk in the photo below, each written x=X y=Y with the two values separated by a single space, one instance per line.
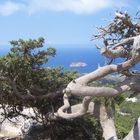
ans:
x=80 y=87
x=107 y=123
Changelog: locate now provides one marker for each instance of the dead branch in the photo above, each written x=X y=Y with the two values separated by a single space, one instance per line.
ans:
x=79 y=86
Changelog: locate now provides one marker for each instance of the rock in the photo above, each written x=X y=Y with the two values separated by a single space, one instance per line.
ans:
x=17 y=126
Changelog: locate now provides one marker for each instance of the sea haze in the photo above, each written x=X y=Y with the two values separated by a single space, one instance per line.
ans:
x=81 y=57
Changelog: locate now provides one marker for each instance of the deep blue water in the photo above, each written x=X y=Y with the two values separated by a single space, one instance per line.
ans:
x=69 y=53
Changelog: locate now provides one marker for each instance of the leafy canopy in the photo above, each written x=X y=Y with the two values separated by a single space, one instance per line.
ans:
x=25 y=81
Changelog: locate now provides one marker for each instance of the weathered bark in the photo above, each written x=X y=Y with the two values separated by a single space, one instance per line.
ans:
x=107 y=123
x=103 y=113
x=80 y=112
x=80 y=87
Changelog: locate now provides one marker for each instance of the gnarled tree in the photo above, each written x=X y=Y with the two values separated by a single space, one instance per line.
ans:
x=121 y=40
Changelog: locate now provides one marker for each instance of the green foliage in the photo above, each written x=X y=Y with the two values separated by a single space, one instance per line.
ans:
x=119 y=99
x=26 y=79
x=25 y=76
x=97 y=132
x=78 y=129
x=124 y=123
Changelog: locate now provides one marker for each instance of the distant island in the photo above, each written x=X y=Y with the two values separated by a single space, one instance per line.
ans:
x=78 y=64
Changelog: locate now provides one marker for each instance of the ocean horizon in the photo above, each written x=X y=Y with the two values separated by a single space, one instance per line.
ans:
x=81 y=57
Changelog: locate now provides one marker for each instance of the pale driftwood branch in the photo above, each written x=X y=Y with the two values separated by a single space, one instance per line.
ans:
x=89 y=92
x=125 y=41
x=103 y=71
x=107 y=123
x=80 y=87
x=82 y=111
x=104 y=114
x=117 y=52
x=118 y=49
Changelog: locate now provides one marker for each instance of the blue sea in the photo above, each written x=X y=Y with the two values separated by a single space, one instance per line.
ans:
x=66 y=54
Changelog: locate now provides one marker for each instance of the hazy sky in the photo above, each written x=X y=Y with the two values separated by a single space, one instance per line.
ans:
x=58 y=21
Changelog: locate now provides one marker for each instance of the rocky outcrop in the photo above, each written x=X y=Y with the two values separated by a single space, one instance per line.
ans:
x=17 y=126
